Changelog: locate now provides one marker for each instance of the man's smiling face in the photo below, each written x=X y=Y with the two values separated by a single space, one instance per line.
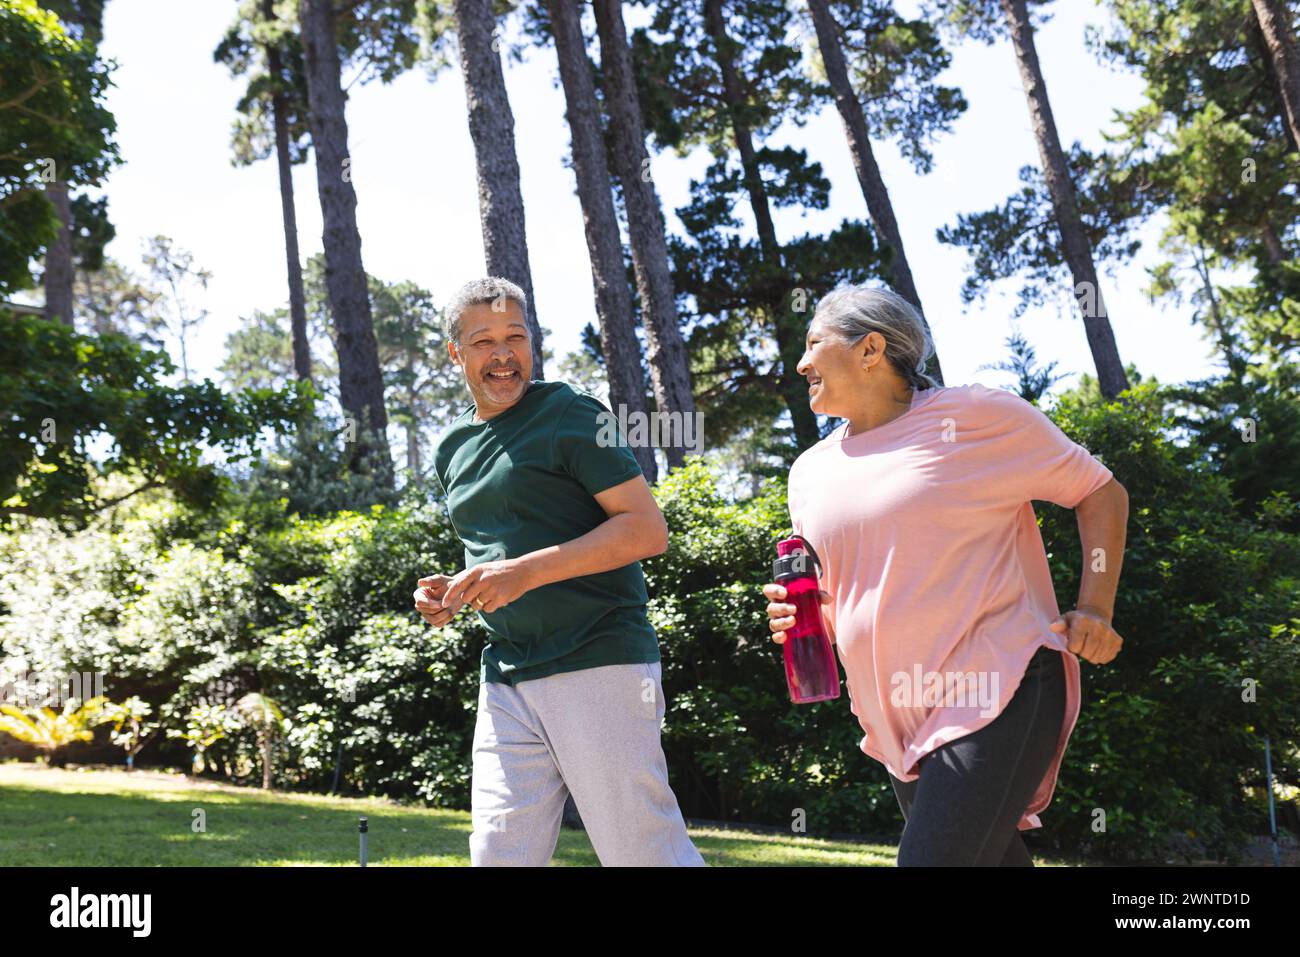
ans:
x=495 y=352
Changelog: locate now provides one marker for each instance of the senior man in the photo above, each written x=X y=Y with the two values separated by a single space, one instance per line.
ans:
x=554 y=524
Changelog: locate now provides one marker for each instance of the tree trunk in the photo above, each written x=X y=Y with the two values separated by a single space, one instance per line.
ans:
x=879 y=208
x=297 y=300
x=413 y=424
x=789 y=338
x=1215 y=320
x=361 y=384
x=669 y=371
x=58 y=258
x=413 y=449
x=492 y=127
x=1274 y=23
x=1074 y=241
x=604 y=245
x=60 y=270
x=1273 y=250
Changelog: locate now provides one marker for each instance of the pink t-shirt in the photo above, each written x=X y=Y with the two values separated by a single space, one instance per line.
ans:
x=936 y=565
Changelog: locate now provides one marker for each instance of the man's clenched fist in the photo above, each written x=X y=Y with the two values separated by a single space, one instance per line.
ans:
x=428 y=600
x=490 y=585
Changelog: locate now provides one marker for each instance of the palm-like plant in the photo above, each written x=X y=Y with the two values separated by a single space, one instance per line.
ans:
x=263 y=715
x=130 y=732
x=205 y=725
x=51 y=731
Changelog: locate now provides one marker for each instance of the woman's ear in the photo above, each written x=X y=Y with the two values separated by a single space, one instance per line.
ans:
x=872 y=347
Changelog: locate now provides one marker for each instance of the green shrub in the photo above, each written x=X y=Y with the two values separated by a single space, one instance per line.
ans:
x=1207 y=601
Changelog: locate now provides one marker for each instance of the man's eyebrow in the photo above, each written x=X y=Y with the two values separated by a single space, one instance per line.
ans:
x=483 y=329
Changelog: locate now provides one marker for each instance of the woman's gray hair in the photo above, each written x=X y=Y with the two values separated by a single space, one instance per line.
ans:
x=851 y=312
x=479 y=292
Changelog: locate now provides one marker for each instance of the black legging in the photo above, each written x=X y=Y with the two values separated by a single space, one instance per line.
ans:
x=970 y=793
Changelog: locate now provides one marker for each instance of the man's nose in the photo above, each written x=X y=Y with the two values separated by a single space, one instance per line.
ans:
x=802 y=367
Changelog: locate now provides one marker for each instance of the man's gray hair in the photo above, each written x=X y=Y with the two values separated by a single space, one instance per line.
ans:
x=477 y=293
x=852 y=312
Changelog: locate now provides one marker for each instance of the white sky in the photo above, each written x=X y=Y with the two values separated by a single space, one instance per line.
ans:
x=413 y=169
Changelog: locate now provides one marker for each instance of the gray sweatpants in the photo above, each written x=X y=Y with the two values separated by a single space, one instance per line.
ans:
x=592 y=732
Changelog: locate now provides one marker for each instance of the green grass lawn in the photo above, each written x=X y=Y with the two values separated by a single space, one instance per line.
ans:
x=99 y=817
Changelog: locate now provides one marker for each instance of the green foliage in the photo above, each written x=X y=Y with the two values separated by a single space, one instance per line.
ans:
x=982 y=20
x=747 y=302
x=421 y=384
x=312 y=470
x=91 y=231
x=1021 y=240
x=52 y=731
x=678 y=73
x=734 y=297
x=205 y=725
x=62 y=391
x=246 y=50
x=1032 y=380
x=1211 y=145
x=1249 y=433
x=341 y=649
x=1207 y=602
x=1208 y=149
x=130 y=730
x=378 y=38
x=53 y=126
x=112 y=298
x=259 y=354
x=894 y=63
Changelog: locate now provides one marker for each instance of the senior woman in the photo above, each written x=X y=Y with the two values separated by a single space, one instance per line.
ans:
x=960 y=669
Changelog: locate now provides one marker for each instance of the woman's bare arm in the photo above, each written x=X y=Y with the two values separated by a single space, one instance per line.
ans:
x=1103 y=524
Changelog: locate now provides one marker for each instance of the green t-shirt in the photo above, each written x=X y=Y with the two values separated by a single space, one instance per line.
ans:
x=526 y=479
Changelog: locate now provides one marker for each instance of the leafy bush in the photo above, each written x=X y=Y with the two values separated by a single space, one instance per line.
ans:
x=1207 y=603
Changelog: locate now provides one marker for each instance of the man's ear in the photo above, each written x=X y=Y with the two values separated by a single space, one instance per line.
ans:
x=453 y=352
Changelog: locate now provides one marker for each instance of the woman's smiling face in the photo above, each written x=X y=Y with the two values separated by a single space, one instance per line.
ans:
x=832 y=367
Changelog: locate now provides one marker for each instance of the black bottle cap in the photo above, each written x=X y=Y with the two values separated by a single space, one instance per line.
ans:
x=795 y=565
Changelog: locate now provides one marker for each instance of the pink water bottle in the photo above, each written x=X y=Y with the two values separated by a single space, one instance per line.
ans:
x=810 y=668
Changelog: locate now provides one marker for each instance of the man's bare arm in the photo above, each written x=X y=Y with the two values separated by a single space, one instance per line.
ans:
x=635 y=529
